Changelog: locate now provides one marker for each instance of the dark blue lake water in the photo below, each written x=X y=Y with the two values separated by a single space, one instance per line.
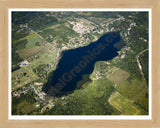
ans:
x=77 y=62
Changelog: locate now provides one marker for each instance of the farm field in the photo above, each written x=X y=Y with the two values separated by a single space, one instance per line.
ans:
x=124 y=105
x=22 y=77
x=134 y=89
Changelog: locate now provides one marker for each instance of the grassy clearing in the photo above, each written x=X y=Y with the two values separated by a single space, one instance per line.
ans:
x=28 y=52
x=137 y=91
x=25 y=108
x=45 y=58
x=124 y=105
x=32 y=41
x=132 y=88
x=22 y=76
x=26 y=37
x=118 y=76
x=25 y=75
x=53 y=26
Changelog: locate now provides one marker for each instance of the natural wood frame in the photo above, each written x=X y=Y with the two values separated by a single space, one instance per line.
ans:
x=6 y=4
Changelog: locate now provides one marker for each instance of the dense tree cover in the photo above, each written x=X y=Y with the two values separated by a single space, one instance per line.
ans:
x=28 y=98
x=140 y=31
x=102 y=14
x=141 y=18
x=127 y=14
x=92 y=100
x=41 y=72
x=60 y=33
x=15 y=60
x=19 y=45
x=84 y=82
x=129 y=64
x=15 y=57
x=35 y=20
x=136 y=42
x=65 y=15
x=16 y=35
x=143 y=102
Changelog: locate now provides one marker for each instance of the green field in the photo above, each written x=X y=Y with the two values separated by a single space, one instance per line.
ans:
x=45 y=58
x=29 y=52
x=124 y=105
x=45 y=55
x=118 y=76
x=25 y=107
x=32 y=41
x=53 y=26
x=132 y=88
x=22 y=77
x=92 y=100
x=57 y=32
x=24 y=38
x=131 y=93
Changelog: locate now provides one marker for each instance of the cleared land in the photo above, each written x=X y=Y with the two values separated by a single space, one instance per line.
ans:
x=32 y=41
x=118 y=76
x=25 y=107
x=124 y=105
x=26 y=37
x=134 y=89
x=45 y=58
x=22 y=77
x=28 y=52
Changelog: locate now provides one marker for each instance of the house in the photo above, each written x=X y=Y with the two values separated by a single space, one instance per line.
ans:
x=24 y=63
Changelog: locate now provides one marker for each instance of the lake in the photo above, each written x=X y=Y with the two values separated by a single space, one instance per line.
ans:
x=75 y=63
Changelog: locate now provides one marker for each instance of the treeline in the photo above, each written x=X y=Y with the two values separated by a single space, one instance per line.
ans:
x=15 y=60
x=16 y=35
x=129 y=64
x=15 y=57
x=41 y=72
x=29 y=98
x=101 y=14
x=60 y=33
x=35 y=20
x=137 y=41
x=92 y=100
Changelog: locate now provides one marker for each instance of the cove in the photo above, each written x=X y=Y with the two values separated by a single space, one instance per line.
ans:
x=75 y=63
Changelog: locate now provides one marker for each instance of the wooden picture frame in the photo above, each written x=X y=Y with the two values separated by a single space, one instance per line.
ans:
x=4 y=64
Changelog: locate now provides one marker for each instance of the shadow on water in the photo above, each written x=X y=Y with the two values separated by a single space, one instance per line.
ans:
x=77 y=62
